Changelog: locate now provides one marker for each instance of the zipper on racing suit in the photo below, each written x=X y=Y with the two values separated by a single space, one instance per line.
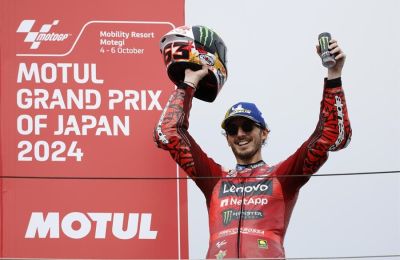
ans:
x=243 y=183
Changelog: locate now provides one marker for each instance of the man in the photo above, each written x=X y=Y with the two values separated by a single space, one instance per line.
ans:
x=250 y=207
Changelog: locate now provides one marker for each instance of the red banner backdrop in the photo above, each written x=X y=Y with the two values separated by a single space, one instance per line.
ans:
x=82 y=87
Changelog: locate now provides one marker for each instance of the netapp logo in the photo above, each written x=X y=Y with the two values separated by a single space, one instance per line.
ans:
x=238 y=201
x=41 y=226
x=42 y=35
x=249 y=188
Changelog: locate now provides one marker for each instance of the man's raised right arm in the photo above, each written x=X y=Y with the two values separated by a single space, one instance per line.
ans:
x=171 y=134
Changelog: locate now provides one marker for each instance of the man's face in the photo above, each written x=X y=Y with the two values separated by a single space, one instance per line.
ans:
x=245 y=139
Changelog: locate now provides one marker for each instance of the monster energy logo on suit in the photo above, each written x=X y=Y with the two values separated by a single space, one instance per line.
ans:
x=250 y=188
x=231 y=214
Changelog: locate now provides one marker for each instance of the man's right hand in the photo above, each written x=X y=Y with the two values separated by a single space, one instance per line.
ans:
x=192 y=78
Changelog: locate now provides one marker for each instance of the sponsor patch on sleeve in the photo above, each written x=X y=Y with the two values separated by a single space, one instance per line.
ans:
x=262 y=243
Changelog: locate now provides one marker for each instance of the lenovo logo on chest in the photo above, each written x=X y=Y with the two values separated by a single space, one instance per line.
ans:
x=248 y=188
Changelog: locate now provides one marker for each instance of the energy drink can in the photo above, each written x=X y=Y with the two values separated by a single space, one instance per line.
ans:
x=328 y=60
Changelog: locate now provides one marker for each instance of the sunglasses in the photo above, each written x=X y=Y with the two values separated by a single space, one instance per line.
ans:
x=247 y=126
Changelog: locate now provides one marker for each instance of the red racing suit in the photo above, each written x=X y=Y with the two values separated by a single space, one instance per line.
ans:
x=249 y=209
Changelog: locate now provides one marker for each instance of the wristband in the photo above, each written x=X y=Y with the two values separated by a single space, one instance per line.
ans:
x=333 y=83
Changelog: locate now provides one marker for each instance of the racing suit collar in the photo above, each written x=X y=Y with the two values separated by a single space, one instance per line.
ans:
x=241 y=167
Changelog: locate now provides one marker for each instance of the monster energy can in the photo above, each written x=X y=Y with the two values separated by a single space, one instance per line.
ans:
x=328 y=60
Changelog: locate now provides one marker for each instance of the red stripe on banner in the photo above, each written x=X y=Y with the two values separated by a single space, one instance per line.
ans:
x=82 y=87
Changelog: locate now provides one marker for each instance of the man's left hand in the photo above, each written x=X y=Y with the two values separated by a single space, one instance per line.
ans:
x=340 y=57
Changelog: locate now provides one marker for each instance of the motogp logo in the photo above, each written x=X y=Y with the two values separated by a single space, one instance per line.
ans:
x=42 y=35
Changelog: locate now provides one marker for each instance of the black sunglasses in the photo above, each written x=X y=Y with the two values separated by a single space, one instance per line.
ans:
x=247 y=126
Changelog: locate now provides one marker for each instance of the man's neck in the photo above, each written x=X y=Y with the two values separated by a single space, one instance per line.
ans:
x=255 y=159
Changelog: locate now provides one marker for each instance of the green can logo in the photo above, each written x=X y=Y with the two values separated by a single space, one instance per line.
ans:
x=324 y=39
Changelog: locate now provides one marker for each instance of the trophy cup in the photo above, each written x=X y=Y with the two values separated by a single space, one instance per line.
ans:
x=191 y=47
